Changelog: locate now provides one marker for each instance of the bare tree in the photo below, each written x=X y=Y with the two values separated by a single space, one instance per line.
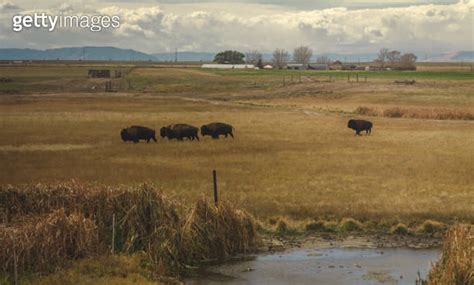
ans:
x=302 y=54
x=394 y=58
x=407 y=61
x=280 y=58
x=323 y=59
x=382 y=56
x=253 y=57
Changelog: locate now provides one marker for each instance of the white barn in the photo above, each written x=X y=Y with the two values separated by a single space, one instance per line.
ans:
x=228 y=66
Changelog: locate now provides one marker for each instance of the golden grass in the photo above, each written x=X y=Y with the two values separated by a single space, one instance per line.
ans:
x=43 y=147
x=283 y=162
x=43 y=244
x=456 y=265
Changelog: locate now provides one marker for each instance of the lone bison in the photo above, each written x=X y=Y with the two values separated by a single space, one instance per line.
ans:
x=179 y=131
x=360 y=125
x=216 y=129
x=137 y=133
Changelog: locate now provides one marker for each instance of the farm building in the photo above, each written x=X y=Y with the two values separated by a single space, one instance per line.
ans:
x=268 y=66
x=318 y=66
x=228 y=66
x=296 y=66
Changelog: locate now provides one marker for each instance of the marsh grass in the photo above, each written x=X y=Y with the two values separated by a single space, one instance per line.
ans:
x=147 y=221
x=456 y=265
x=43 y=244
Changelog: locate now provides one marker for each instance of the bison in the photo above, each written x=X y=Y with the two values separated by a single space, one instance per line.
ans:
x=216 y=129
x=179 y=131
x=137 y=133
x=360 y=125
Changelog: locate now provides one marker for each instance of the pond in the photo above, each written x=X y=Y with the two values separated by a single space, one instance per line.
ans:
x=364 y=266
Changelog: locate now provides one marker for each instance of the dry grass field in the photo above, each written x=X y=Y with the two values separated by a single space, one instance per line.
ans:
x=293 y=164
x=293 y=154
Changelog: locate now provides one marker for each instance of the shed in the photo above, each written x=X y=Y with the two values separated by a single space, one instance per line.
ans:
x=296 y=66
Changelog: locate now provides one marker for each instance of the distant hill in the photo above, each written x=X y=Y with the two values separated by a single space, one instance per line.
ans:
x=454 y=56
x=118 y=54
x=75 y=53
x=185 y=56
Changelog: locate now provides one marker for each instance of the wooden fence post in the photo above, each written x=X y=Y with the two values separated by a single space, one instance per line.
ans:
x=348 y=77
x=15 y=268
x=214 y=178
x=366 y=79
x=113 y=234
x=357 y=77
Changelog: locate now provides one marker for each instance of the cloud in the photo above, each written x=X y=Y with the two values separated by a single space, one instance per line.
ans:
x=433 y=28
x=7 y=6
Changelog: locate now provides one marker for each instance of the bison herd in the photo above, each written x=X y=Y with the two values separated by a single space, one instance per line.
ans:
x=176 y=131
x=184 y=131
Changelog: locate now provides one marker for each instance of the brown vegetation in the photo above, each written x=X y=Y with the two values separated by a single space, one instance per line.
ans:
x=212 y=232
x=456 y=265
x=416 y=113
x=42 y=244
x=146 y=221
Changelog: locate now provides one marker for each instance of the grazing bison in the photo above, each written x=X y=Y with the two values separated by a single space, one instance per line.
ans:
x=360 y=125
x=216 y=129
x=179 y=131
x=137 y=133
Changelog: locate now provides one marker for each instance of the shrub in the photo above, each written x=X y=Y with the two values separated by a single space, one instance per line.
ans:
x=399 y=229
x=282 y=227
x=431 y=227
x=350 y=225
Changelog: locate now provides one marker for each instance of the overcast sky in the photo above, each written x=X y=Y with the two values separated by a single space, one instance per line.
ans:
x=341 y=26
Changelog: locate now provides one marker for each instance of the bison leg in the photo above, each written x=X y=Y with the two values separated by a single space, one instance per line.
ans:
x=230 y=133
x=215 y=137
x=226 y=135
x=197 y=137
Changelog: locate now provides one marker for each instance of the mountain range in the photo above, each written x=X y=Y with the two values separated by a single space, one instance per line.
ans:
x=118 y=54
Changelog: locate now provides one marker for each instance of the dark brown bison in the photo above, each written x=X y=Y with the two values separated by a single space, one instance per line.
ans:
x=216 y=129
x=179 y=132
x=360 y=125
x=137 y=133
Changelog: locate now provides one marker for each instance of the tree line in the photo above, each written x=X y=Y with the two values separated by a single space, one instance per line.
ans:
x=280 y=57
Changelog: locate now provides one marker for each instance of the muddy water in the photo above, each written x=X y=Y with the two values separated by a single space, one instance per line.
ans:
x=341 y=266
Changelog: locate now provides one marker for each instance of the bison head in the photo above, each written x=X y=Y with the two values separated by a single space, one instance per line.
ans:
x=351 y=124
x=163 y=132
x=204 y=130
x=124 y=134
